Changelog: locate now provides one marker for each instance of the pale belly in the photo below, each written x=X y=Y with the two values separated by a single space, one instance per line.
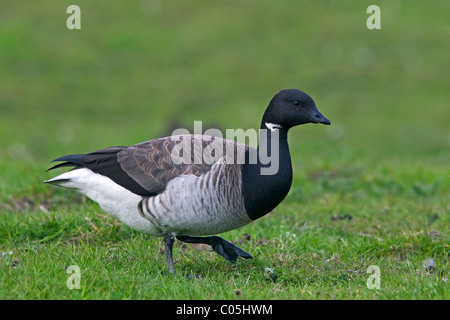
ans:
x=189 y=205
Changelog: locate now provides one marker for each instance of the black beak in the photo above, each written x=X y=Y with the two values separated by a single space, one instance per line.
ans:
x=320 y=118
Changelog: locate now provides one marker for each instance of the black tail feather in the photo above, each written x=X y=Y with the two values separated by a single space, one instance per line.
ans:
x=103 y=162
x=64 y=164
x=71 y=160
x=92 y=160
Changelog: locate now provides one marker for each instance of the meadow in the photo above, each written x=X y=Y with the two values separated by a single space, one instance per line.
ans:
x=371 y=189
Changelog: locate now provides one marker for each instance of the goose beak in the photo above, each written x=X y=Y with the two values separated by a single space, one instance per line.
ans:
x=320 y=118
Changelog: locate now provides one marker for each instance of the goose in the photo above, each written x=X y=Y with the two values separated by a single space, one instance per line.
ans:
x=148 y=188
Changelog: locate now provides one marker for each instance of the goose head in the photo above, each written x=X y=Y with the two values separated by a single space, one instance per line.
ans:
x=289 y=108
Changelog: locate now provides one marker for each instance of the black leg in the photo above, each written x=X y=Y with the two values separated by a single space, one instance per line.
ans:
x=168 y=245
x=224 y=248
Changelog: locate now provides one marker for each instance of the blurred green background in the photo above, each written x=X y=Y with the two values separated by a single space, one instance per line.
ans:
x=136 y=67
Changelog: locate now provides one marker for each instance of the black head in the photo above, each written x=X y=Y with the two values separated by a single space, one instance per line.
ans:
x=292 y=107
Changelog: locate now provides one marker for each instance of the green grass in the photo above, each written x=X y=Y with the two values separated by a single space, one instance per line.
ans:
x=372 y=189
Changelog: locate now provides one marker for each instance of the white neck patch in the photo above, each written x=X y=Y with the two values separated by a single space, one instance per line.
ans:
x=273 y=126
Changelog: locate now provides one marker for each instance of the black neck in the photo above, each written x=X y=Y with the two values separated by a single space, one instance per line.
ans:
x=267 y=182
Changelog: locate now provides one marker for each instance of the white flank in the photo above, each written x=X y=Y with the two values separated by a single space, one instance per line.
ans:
x=113 y=198
x=202 y=205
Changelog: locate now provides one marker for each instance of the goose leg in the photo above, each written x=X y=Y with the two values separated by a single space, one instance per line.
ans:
x=224 y=248
x=168 y=245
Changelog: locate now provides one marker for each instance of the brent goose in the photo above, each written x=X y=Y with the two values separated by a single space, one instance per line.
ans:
x=145 y=188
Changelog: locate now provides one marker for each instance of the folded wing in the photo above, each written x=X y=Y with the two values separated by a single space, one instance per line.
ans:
x=146 y=168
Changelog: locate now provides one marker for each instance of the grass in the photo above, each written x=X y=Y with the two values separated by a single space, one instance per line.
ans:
x=372 y=189
x=320 y=243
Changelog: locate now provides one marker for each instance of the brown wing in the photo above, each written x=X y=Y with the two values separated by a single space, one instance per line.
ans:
x=152 y=164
